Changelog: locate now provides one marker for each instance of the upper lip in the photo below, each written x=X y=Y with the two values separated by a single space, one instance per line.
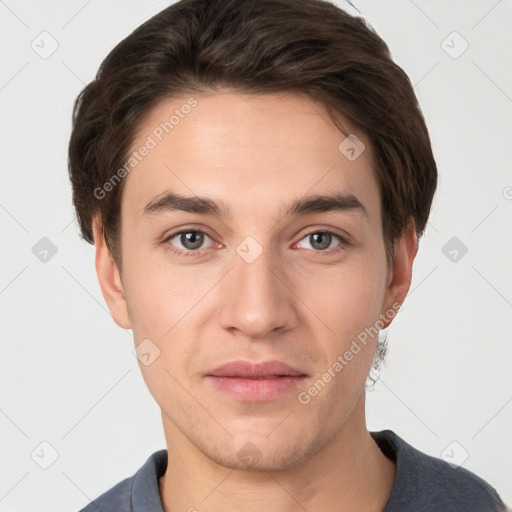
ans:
x=246 y=369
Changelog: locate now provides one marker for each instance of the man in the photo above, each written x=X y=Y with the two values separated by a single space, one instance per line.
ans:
x=255 y=176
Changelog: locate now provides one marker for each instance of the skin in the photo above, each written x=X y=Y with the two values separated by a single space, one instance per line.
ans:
x=295 y=303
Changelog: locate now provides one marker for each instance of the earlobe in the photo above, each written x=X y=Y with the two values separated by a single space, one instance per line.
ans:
x=110 y=280
x=400 y=275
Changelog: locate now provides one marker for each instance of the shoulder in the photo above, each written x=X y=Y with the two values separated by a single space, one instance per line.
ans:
x=428 y=483
x=138 y=490
x=116 y=498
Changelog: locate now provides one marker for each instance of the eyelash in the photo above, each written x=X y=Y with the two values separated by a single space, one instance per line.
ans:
x=195 y=253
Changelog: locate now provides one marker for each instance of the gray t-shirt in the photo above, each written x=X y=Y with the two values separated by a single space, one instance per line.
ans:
x=423 y=484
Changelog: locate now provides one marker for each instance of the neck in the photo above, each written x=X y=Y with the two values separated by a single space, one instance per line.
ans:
x=350 y=473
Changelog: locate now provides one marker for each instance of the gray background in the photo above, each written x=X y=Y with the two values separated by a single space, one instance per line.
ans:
x=68 y=376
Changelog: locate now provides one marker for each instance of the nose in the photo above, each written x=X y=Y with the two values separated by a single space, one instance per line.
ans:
x=257 y=298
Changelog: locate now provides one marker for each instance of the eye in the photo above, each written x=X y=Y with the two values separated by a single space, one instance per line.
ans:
x=190 y=239
x=321 y=241
x=189 y=242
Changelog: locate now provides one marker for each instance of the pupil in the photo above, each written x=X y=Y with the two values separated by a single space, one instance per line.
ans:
x=192 y=238
x=325 y=237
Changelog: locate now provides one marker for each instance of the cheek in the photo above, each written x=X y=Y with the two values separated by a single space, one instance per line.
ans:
x=346 y=300
x=350 y=308
x=168 y=310
x=157 y=297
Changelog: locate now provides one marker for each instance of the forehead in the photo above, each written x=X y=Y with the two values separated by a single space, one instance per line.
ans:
x=233 y=147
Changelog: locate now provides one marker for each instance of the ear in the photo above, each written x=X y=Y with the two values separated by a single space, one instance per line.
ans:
x=110 y=280
x=400 y=274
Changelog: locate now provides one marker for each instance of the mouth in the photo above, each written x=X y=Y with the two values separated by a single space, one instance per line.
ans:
x=249 y=382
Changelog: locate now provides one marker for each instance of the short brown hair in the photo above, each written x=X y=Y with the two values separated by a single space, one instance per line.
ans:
x=253 y=46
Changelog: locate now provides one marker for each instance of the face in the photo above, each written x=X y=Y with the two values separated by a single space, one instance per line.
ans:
x=246 y=295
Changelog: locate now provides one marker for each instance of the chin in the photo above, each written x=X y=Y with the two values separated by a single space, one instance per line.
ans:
x=258 y=453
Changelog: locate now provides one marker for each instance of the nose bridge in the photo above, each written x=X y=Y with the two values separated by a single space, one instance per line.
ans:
x=257 y=300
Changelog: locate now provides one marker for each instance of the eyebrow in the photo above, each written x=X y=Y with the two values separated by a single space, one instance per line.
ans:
x=170 y=201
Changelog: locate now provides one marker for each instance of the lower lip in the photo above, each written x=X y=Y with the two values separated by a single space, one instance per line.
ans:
x=256 y=390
